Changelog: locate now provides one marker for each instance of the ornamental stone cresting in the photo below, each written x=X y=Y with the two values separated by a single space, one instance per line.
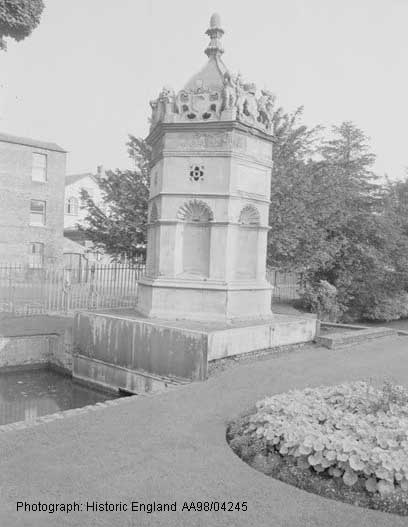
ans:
x=215 y=94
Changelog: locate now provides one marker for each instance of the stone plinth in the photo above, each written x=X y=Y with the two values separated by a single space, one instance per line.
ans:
x=209 y=301
x=123 y=349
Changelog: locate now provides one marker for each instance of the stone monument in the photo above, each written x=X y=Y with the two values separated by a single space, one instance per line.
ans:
x=205 y=295
x=209 y=197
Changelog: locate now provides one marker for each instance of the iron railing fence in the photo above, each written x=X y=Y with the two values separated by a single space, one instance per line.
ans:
x=286 y=284
x=25 y=291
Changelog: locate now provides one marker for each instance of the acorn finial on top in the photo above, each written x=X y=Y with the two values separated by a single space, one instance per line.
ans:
x=215 y=32
x=215 y=21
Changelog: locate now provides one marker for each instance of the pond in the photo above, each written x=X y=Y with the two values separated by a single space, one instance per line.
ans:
x=30 y=394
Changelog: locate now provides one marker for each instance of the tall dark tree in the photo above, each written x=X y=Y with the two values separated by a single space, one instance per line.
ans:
x=294 y=232
x=370 y=255
x=18 y=18
x=329 y=219
x=396 y=203
x=349 y=159
x=118 y=226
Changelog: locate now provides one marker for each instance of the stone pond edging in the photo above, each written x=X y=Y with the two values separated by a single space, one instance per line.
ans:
x=23 y=351
x=22 y=425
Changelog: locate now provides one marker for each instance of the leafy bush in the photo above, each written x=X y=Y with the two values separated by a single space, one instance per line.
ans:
x=355 y=431
x=387 y=308
x=321 y=298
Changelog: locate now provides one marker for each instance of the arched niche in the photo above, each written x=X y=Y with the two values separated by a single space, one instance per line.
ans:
x=195 y=233
x=195 y=210
x=247 y=243
x=249 y=216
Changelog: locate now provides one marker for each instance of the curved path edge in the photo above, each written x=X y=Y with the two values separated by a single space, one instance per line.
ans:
x=171 y=448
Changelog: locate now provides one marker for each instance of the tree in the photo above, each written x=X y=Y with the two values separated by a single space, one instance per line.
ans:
x=119 y=225
x=294 y=234
x=329 y=219
x=396 y=203
x=18 y=18
x=370 y=256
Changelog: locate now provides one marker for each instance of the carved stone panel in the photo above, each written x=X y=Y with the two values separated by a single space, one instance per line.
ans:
x=199 y=141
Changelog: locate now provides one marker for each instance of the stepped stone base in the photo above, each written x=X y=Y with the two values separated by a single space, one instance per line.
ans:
x=356 y=335
x=124 y=349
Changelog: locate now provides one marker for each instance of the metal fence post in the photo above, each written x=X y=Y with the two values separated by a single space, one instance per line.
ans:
x=67 y=289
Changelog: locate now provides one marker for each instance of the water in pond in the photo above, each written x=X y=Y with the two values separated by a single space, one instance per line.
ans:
x=30 y=394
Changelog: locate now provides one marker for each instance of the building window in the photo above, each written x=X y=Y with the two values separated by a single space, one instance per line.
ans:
x=36 y=255
x=71 y=206
x=37 y=212
x=89 y=191
x=39 y=168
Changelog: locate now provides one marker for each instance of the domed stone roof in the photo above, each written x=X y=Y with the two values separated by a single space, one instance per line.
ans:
x=211 y=76
x=215 y=20
x=214 y=94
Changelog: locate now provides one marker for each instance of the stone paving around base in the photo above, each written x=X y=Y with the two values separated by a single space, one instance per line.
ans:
x=171 y=448
x=12 y=326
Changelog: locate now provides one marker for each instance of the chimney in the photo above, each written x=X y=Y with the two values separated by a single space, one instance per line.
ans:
x=100 y=171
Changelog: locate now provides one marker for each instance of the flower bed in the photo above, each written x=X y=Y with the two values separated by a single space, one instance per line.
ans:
x=353 y=436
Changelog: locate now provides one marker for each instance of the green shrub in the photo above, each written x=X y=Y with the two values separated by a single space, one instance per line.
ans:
x=321 y=298
x=387 y=308
x=356 y=432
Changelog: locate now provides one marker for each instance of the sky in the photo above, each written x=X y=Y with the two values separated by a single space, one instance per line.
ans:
x=85 y=76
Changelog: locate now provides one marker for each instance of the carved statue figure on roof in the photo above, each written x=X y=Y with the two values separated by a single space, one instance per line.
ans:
x=266 y=104
x=163 y=105
x=247 y=106
x=240 y=95
x=166 y=98
x=155 y=114
x=229 y=93
x=250 y=104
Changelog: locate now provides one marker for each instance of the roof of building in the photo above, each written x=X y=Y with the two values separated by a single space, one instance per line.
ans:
x=69 y=246
x=73 y=178
x=8 y=138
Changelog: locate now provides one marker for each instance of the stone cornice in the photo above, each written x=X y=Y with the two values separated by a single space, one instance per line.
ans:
x=214 y=153
x=251 y=197
x=212 y=223
x=206 y=126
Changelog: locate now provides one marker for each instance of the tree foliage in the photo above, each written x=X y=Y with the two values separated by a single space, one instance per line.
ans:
x=296 y=210
x=118 y=225
x=332 y=220
x=18 y=18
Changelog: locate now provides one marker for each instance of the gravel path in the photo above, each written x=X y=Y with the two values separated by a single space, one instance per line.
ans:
x=171 y=447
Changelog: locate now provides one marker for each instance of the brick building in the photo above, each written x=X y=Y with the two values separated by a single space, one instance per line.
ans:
x=32 y=182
